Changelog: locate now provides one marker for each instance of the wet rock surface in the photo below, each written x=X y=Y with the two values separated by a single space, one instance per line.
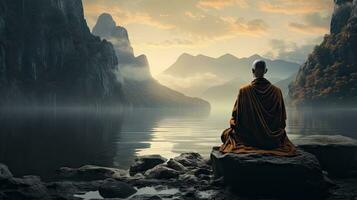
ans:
x=188 y=176
x=162 y=172
x=90 y=173
x=143 y=163
x=298 y=176
x=337 y=154
x=116 y=189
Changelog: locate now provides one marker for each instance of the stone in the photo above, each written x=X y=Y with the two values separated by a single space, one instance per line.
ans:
x=202 y=171
x=28 y=187
x=145 y=197
x=144 y=163
x=173 y=164
x=90 y=172
x=4 y=172
x=161 y=172
x=337 y=154
x=116 y=189
x=189 y=179
x=191 y=160
x=256 y=174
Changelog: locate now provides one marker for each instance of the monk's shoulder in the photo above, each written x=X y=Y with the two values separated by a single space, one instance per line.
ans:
x=276 y=89
x=245 y=87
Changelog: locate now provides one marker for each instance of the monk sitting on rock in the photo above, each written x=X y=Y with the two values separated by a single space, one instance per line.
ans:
x=258 y=119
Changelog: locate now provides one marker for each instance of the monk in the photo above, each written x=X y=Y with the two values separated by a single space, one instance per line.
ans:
x=258 y=119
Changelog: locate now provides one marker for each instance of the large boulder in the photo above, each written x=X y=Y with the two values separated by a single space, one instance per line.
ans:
x=116 y=189
x=144 y=163
x=191 y=160
x=337 y=154
x=173 y=164
x=299 y=176
x=161 y=172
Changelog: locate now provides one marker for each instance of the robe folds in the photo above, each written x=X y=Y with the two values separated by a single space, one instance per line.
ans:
x=258 y=122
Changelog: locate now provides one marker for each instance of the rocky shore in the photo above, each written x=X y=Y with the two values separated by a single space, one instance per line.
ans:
x=190 y=176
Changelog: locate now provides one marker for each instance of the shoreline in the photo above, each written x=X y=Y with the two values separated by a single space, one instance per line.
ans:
x=187 y=176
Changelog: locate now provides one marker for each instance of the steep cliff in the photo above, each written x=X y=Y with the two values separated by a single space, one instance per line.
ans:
x=49 y=57
x=329 y=76
x=131 y=67
x=140 y=88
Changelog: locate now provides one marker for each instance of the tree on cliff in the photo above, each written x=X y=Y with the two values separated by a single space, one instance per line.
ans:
x=329 y=76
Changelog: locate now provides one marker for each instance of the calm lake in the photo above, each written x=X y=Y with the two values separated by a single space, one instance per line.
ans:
x=41 y=142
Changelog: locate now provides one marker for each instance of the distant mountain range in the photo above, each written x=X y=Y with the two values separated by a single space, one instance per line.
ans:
x=139 y=87
x=329 y=76
x=225 y=74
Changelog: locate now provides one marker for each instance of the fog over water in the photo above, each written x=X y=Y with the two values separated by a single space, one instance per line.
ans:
x=38 y=142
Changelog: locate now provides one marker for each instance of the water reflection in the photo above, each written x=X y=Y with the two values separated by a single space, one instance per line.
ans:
x=40 y=142
x=323 y=121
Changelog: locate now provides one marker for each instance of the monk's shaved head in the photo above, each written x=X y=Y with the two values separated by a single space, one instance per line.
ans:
x=259 y=68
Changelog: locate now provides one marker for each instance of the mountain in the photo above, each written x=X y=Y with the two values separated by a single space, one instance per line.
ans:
x=49 y=57
x=329 y=76
x=130 y=67
x=224 y=94
x=225 y=69
x=140 y=88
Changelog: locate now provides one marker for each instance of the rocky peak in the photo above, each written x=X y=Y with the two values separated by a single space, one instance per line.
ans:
x=104 y=26
x=342 y=13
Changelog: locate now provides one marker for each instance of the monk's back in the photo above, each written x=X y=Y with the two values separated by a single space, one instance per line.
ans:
x=258 y=119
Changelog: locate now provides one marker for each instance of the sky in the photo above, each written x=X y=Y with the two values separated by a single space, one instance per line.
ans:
x=164 y=29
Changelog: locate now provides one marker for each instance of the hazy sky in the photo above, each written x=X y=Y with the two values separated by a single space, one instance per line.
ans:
x=164 y=29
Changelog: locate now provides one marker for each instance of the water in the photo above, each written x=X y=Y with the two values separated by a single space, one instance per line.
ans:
x=41 y=142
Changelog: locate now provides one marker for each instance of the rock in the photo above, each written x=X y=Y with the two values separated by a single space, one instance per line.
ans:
x=199 y=172
x=28 y=187
x=256 y=174
x=145 y=197
x=116 y=189
x=90 y=172
x=173 y=164
x=4 y=172
x=191 y=160
x=161 y=172
x=143 y=163
x=337 y=154
x=189 y=178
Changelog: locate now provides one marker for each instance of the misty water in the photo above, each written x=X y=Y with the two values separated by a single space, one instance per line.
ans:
x=33 y=142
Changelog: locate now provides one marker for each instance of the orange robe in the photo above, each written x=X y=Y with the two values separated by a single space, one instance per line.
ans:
x=258 y=122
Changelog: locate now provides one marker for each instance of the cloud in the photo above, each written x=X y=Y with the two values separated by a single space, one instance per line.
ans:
x=219 y=4
x=205 y=80
x=292 y=7
x=291 y=51
x=187 y=18
x=312 y=23
x=176 y=42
